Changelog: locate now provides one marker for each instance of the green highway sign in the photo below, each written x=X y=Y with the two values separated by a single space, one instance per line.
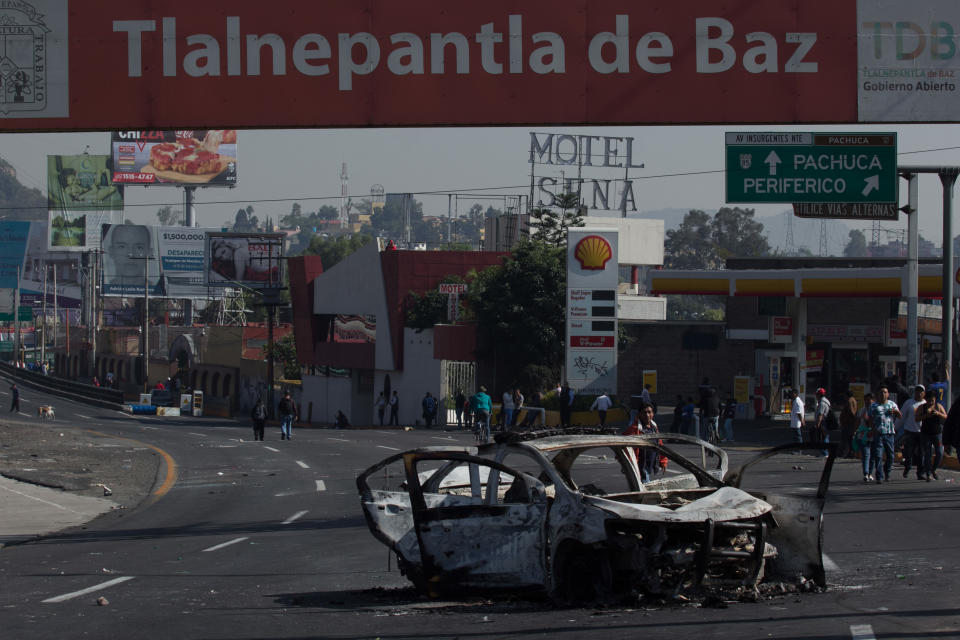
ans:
x=793 y=167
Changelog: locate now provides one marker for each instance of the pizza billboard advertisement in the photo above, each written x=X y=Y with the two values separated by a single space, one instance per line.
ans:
x=82 y=183
x=253 y=260
x=205 y=157
x=246 y=63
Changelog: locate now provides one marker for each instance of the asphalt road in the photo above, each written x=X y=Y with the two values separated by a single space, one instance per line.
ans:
x=266 y=540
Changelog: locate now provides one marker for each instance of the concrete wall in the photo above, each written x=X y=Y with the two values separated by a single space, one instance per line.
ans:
x=679 y=371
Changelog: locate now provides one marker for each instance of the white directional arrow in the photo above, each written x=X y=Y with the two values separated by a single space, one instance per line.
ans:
x=873 y=184
x=773 y=160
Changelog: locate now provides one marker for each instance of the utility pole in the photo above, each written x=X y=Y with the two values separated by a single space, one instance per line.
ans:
x=16 y=319
x=146 y=320
x=43 y=342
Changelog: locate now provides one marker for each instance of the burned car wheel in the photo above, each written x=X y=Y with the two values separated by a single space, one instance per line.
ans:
x=582 y=575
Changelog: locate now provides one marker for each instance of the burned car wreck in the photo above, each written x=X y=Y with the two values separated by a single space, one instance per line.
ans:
x=571 y=516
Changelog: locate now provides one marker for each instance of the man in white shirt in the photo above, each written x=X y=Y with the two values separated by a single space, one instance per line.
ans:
x=911 y=431
x=602 y=404
x=796 y=417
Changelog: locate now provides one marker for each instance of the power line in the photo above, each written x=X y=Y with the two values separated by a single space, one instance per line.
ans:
x=431 y=192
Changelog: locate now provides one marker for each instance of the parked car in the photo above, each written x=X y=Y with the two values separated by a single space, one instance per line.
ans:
x=570 y=515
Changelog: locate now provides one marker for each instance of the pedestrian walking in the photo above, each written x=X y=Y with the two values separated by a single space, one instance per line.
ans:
x=506 y=409
x=460 y=401
x=259 y=416
x=429 y=406
x=394 y=409
x=883 y=415
x=848 y=425
x=380 y=405
x=602 y=404
x=863 y=439
x=951 y=429
x=796 y=417
x=688 y=418
x=709 y=411
x=566 y=396
x=931 y=415
x=677 y=425
x=729 y=413
x=15 y=399
x=518 y=400
x=911 y=431
x=288 y=413
x=820 y=430
x=649 y=461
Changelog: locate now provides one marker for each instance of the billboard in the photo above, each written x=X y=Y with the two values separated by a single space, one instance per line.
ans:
x=497 y=62
x=252 y=260
x=13 y=246
x=82 y=183
x=181 y=157
x=129 y=260
x=78 y=230
x=182 y=263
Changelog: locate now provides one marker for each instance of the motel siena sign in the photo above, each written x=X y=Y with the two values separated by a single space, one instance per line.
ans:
x=117 y=65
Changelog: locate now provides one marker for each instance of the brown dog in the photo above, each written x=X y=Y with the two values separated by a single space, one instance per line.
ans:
x=45 y=412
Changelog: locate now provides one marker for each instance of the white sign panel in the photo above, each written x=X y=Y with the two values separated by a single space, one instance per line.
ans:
x=592 y=277
x=908 y=68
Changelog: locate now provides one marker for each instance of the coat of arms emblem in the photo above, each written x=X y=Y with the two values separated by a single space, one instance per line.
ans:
x=23 y=58
x=746 y=159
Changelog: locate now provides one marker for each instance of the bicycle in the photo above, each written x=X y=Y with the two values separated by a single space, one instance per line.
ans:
x=481 y=427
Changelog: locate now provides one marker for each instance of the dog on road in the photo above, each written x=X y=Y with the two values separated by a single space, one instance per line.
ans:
x=45 y=412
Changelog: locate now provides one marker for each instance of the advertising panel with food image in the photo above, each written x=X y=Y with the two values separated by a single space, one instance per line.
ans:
x=200 y=157
x=252 y=260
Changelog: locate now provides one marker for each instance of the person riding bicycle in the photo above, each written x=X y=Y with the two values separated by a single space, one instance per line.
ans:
x=480 y=407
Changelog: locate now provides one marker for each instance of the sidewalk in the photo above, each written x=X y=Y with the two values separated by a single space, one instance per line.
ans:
x=33 y=511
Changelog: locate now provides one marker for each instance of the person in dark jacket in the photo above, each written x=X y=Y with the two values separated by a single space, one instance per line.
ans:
x=288 y=412
x=951 y=428
x=15 y=400
x=259 y=416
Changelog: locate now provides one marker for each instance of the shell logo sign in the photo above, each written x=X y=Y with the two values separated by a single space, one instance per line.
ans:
x=593 y=253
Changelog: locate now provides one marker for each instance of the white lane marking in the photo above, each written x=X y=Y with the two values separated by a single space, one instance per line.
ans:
x=202 y=435
x=321 y=486
x=380 y=446
x=80 y=415
x=304 y=465
x=271 y=449
x=861 y=632
x=338 y=439
x=82 y=592
x=447 y=439
x=829 y=564
x=154 y=428
x=52 y=504
x=225 y=544
x=296 y=516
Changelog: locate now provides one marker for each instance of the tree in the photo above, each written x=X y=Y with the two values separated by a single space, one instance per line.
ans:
x=285 y=352
x=705 y=242
x=168 y=216
x=333 y=250
x=520 y=312
x=246 y=221
x=551 y=226
x=857 y=245
x=424 y=311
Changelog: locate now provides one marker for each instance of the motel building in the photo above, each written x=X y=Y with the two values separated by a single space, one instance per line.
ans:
x=837 y=323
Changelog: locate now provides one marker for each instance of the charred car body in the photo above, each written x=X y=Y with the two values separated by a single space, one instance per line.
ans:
x=569 y=514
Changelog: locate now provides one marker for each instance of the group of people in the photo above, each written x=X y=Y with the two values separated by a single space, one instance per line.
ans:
x=288 y=411
x=393 y=403
x=879 y=428
x=703 y=419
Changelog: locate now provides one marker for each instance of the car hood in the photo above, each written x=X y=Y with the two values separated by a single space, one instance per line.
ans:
x=724 y=504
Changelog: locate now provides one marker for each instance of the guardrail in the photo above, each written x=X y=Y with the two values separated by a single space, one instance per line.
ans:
x=109 y=398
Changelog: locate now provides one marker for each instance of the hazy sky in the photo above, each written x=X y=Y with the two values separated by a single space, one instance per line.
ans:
x=683 y=167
